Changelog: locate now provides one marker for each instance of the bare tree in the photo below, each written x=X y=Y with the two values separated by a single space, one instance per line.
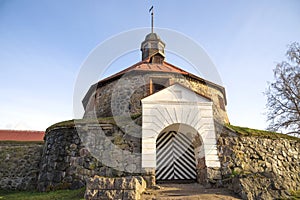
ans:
x=283 y=95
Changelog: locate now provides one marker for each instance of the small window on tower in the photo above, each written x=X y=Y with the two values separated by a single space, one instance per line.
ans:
x=157 y=84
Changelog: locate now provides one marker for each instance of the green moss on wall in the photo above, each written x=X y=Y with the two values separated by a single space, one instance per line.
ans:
x=104 y=120
x=245 y=131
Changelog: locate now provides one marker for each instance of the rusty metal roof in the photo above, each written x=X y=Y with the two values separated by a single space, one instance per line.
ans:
x=20 y=135
x=165 y=67
x=149 y=67
x=146 y=66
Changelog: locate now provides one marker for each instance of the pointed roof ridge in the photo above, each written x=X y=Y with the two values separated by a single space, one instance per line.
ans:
x=138 y=67
x=128 y=69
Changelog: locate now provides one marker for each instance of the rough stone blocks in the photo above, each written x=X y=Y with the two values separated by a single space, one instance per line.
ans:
x=99 y=188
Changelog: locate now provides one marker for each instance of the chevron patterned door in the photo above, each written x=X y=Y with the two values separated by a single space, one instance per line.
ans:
x=175 y=157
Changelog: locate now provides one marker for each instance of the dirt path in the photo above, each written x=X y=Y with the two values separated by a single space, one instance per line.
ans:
x=188 y=191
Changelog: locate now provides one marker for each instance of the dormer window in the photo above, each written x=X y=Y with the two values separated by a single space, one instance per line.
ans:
x=157 y=59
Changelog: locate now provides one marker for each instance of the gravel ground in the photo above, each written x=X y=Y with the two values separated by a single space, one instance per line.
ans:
x=188 y=191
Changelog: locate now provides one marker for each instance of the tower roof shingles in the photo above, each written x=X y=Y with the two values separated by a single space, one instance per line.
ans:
x=146 y=66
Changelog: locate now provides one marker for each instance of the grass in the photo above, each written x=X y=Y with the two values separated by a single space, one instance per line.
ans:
x=245 y=131
x=104 y=120
x=55 y=195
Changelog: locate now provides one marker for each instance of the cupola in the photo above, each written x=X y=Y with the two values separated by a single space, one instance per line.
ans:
x=153 y=48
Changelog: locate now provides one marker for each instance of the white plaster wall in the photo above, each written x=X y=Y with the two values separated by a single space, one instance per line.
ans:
x=177 y=104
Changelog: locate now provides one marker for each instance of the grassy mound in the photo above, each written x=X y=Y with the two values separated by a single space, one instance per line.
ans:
x=245 y=131
x=104 y=120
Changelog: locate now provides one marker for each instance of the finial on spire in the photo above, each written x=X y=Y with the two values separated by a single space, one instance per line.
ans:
x=152 y=47
x=151 y=10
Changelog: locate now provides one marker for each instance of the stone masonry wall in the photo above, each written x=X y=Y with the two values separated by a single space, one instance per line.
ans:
x=71 y=155
x=254 y=167
x=19 y=165
x=259 y=168
x=123 y=96
x=129 y=188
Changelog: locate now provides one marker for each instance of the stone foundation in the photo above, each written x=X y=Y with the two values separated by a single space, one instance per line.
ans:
x=149 y=176
x=129 y=188
x=67 y=162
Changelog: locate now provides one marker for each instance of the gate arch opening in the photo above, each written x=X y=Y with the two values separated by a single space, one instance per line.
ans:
x=181 y=109
x=180 y=155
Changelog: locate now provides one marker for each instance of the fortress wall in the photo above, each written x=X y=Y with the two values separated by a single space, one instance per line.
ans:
x=257 y=167
x=72 y=155
x=19 y=165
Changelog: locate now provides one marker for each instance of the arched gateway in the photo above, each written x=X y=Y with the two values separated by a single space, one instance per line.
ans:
x=178 y=136
x=175 y=154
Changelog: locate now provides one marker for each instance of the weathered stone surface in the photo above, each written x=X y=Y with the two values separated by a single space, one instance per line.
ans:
x=259 y=168
x=255 y=168
x=99 y=188
x=256 y=186
x=67 y=161
x=19 y=165
x=122 y=96
x=149 y=176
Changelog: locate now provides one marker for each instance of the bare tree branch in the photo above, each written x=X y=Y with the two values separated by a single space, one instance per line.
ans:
x=283 y=95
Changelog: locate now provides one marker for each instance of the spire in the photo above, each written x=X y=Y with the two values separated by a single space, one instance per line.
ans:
x=152 y=18
x=152 y=47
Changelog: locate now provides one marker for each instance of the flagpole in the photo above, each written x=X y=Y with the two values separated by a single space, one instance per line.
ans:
x=152 y=23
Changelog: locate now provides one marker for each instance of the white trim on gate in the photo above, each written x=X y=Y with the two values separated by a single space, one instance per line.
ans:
x=165 y=108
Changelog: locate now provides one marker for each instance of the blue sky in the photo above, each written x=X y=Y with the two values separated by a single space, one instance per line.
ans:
x=44 y=43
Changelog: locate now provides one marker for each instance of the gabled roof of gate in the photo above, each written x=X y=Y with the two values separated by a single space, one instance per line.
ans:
x=178 y=93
